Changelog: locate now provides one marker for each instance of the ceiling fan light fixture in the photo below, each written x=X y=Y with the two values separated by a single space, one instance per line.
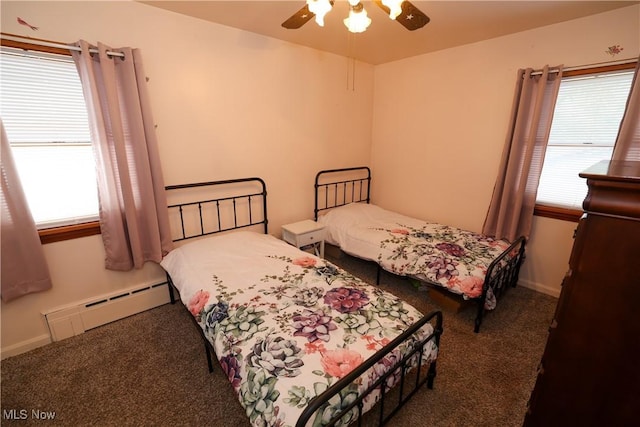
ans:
x=412 y=17
x=319 y=8
x=395 y=7
x=357 y=21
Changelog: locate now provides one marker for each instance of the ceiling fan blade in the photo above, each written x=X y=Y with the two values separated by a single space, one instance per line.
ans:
x=299 y=18
x=411 y=17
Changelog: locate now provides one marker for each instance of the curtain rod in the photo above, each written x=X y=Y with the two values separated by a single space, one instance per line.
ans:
x=594 y=65
x=120 y=54
x=53 y=44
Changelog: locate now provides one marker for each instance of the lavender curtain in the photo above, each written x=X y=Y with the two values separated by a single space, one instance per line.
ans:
x=628 y=142
x=24 y=268
x=133 y=208
x=514 y=196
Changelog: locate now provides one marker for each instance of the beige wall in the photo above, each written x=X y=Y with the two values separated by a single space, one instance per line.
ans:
x=227 y=104
x=231 y=104
x=440 y=122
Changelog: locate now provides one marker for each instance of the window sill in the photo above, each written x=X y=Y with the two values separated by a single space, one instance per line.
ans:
x=68 y=232
x=555 y=212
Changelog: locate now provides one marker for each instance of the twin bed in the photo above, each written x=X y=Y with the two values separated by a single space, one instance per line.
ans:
x=468 y=264
x=301 y=341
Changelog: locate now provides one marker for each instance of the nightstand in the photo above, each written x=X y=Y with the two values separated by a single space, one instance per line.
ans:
x=305 y=233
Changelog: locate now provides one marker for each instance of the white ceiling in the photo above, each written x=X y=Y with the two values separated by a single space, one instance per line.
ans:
x=453 y=23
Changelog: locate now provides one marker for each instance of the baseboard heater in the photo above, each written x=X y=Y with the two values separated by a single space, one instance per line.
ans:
x=71 y=320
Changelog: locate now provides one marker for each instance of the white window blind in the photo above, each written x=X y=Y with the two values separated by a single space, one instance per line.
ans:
x=585 y=125
x=45 y=117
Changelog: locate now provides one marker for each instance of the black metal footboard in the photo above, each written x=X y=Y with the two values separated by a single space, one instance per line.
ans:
x=501 y=274
x=354 y=408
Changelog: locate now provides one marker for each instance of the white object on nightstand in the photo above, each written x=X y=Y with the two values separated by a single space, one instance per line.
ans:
x=305 y=233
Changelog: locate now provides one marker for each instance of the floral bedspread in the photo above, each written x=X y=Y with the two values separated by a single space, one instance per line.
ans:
x=439 y=254
x=286 y=325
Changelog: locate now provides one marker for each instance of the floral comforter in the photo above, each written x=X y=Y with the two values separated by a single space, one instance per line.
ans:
x=439 y=254
x=285 y=325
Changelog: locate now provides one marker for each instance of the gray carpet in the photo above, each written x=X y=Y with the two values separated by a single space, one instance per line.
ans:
x=150 y=369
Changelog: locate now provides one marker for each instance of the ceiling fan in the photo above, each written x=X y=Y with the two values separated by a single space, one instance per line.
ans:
x=408 y=15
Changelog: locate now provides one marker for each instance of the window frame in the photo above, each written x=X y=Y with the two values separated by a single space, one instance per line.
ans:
x=65 y=232
x=566 y=214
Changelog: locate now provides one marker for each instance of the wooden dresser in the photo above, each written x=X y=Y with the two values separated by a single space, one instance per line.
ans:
x=590 y=369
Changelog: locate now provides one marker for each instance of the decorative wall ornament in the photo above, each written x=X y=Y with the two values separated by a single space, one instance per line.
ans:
x=26 y=24
x=614 y=50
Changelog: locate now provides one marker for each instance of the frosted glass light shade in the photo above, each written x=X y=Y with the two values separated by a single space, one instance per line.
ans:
x=319 y=8
x=395 y=7
x=357 y=22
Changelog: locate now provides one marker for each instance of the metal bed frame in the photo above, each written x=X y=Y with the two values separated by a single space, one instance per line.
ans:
x=502 y=273
x=409 y=383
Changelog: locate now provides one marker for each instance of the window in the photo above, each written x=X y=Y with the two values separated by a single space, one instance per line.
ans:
x=45 y=117
x=587 y=116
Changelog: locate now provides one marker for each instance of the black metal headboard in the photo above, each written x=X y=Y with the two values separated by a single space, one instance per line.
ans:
x=338 y=187
x=237 y=203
